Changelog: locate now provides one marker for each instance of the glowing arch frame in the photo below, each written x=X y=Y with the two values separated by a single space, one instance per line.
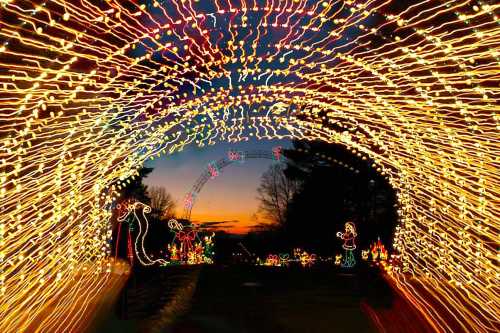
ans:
x=82 y=107
x=207 y=174
x=232 y=157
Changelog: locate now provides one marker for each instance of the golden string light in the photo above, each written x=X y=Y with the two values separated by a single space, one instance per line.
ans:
x=91 y=89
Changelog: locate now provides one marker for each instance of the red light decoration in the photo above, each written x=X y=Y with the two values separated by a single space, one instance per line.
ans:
x=348 y=237
x=378 y=251
x=130 y=251
x=186 y=246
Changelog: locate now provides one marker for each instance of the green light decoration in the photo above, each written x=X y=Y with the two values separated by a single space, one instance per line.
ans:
x=349 y=238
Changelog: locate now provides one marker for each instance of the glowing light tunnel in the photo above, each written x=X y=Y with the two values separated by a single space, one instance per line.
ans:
x=91 y=89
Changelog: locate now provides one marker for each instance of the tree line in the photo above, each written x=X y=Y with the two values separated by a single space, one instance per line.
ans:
x=307 y=199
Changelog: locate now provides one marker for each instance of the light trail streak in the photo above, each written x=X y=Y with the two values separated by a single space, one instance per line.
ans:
x=90 y=90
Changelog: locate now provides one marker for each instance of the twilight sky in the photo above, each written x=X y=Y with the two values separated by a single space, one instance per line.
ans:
x=230 y=197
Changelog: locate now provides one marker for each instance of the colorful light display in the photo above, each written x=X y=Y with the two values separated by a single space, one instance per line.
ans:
x=128 y=214
x=299 y=256
x=186 y=246
x=365 y=254
x=90 y=90
x=234 y=155
x=305 y=258
x=378 y=251
x=214 y=169
x=349 y=239
x=272 y=260
x=208 y=249
x=338 y=259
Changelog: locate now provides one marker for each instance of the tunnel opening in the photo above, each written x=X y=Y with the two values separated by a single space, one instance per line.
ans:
x=331 y=185
x=314 y=160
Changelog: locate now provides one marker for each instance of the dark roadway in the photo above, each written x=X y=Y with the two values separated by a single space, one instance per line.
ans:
x=264 y=299
x=247 y=299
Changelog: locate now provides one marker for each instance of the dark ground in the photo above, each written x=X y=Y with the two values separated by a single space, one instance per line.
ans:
x=249 y=299
x=265 y=299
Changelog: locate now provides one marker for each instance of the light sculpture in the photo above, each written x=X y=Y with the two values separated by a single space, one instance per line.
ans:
x=284 y=259
x=186 y=246
x=349 y=238
x=365 y=254
x=189 y=201
x=307 y=259
x=272 y=260
x=133 y=219
x=277 y=153
x=214 y=169
x=208 y=249
x=89 y=90
x=338 y=259
x=234 y=155
x=300 y=257
x=378 y=251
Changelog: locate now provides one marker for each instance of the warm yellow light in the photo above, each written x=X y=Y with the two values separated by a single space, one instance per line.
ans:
x=89 y=93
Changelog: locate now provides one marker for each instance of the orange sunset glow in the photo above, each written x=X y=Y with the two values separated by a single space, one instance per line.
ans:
x=230 y=200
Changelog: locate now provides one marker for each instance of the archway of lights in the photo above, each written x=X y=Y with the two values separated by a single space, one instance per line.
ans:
x=214 y=169
x=91 y=89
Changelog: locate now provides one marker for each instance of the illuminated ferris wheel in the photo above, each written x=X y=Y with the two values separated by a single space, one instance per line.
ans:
x=214 y=169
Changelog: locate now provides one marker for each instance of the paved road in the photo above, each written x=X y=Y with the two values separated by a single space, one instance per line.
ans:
x=263 y=299
x=247 y=299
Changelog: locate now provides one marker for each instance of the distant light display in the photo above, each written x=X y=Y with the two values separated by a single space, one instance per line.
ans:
x=338 y=259
x=214 y=169
x=187 y=247
x=299 y=256
x=277 y=153
x=349 y=238
x=91 y=89
x=234 y=155
x=378 y=251
x=272 y=260
x=304 y=258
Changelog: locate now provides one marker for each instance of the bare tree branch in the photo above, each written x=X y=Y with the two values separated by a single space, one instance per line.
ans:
x=275 y=193
x=162 y=202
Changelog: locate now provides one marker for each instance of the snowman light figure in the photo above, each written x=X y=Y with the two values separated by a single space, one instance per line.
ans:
x=349 y=237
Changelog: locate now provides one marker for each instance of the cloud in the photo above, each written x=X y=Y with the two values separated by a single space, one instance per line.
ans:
x=218 y=224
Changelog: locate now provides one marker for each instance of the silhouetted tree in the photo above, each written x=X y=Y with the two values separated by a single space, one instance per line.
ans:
x=162 y=203
x=134 y=188
x=333 y=185
x=275 y=193
x=337 y=186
